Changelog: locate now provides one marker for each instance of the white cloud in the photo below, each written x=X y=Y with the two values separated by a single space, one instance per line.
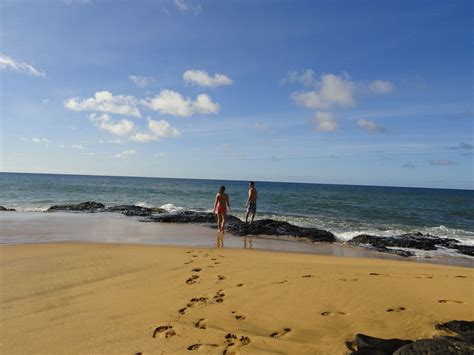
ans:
x=202 y=78
x=325 y=122
x=35 y=140
x=78 y=146
x=8 y=63
x=141 y=81
x=125 y=154
x=307 y=78
x=118 y=128
x=173 y=103
x=111 y=141
x=105 y=101
x=381 y=87
x=184 y=6
x=160 y=155
x=162 y=129
x=369 y=126
x=143 y=137
x=442 y=162
x=333 y=90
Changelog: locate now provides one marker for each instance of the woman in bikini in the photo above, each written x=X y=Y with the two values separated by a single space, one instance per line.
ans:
x=220 y=207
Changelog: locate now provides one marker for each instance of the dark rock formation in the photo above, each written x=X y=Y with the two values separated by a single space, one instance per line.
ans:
x=128 y=210
x=279 y=228
x=410 y=240
x=190 y=217
x=7 y=209
x=456 y=326
x=461 y=343
x=82 y=207
x=436 y=346
x=463 y=249
x=237 y=227
x=132 y=210
x=364 y=344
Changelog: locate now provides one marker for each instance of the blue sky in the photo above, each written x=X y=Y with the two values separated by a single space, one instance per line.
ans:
x=346 y=92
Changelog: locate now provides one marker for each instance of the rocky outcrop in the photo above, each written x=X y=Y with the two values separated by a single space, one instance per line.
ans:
x=237 y=227
x=7 y=209
x=460 y=342
x=92 y=207
x=191 y=217
x=132 y=210
x=88 y=206
x=410 y=240
x=279 y=228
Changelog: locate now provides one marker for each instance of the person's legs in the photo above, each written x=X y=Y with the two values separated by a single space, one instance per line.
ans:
x=247 y=217
x=223 y=222
x=219 y=221
x=253 y=216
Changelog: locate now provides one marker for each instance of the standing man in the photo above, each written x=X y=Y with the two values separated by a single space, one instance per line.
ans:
x=251 y=202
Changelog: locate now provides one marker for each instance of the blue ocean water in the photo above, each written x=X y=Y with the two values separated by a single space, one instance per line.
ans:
x=344 y=210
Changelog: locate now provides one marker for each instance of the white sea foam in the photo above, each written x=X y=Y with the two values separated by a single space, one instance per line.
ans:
x=171 y=208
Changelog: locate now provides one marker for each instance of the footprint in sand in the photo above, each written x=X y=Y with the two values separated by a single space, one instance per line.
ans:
x=219 y=296
x=234 y=343
x=307 y=276
x=200 y=324
x=196 y=269
x=238 y=316
x=192 y=279
x=280 y=334
x=240 y=285
x=213 y=259
x=280 y=282
x=221 y=277
x=188 y=262
x=374 y=274
x=166 y=330
x=449 y=301
x=325 y=314
x=461 y=276
x=217 y=263
x=201 y=346
x=192 y=302
x=396 y=309
x=348 y=280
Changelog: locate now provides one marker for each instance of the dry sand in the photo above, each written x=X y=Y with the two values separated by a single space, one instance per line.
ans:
x=105 y=298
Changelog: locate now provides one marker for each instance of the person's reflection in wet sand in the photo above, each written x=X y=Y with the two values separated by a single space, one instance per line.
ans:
x=247 y=242
x=220 y=240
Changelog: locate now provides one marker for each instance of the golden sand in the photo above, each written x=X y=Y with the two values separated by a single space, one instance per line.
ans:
x=104 y=298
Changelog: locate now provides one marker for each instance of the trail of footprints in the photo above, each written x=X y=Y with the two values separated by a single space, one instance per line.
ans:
x=233 y=342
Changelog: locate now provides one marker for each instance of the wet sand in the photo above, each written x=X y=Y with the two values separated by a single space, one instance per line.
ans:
x=40 y=227
x=117 y=298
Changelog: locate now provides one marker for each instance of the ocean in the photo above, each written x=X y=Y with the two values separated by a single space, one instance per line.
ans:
x=344 y=210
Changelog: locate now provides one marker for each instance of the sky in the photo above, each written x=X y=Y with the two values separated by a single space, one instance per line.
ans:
x=339 y=92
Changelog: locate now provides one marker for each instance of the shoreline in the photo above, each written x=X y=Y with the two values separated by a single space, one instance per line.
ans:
x=117 y=298
x=66 y=227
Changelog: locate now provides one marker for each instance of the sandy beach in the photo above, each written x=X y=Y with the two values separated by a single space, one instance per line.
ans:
x=110 y=298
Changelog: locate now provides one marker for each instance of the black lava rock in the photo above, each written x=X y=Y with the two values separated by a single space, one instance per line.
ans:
x=410 y=240
x=279 y=228
x=132 y=210
x=88 y=206
x=7 y=209
x=457 y=326
x=379 y=345
x=462 y=343
x=190 y=217
x=436 y=346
